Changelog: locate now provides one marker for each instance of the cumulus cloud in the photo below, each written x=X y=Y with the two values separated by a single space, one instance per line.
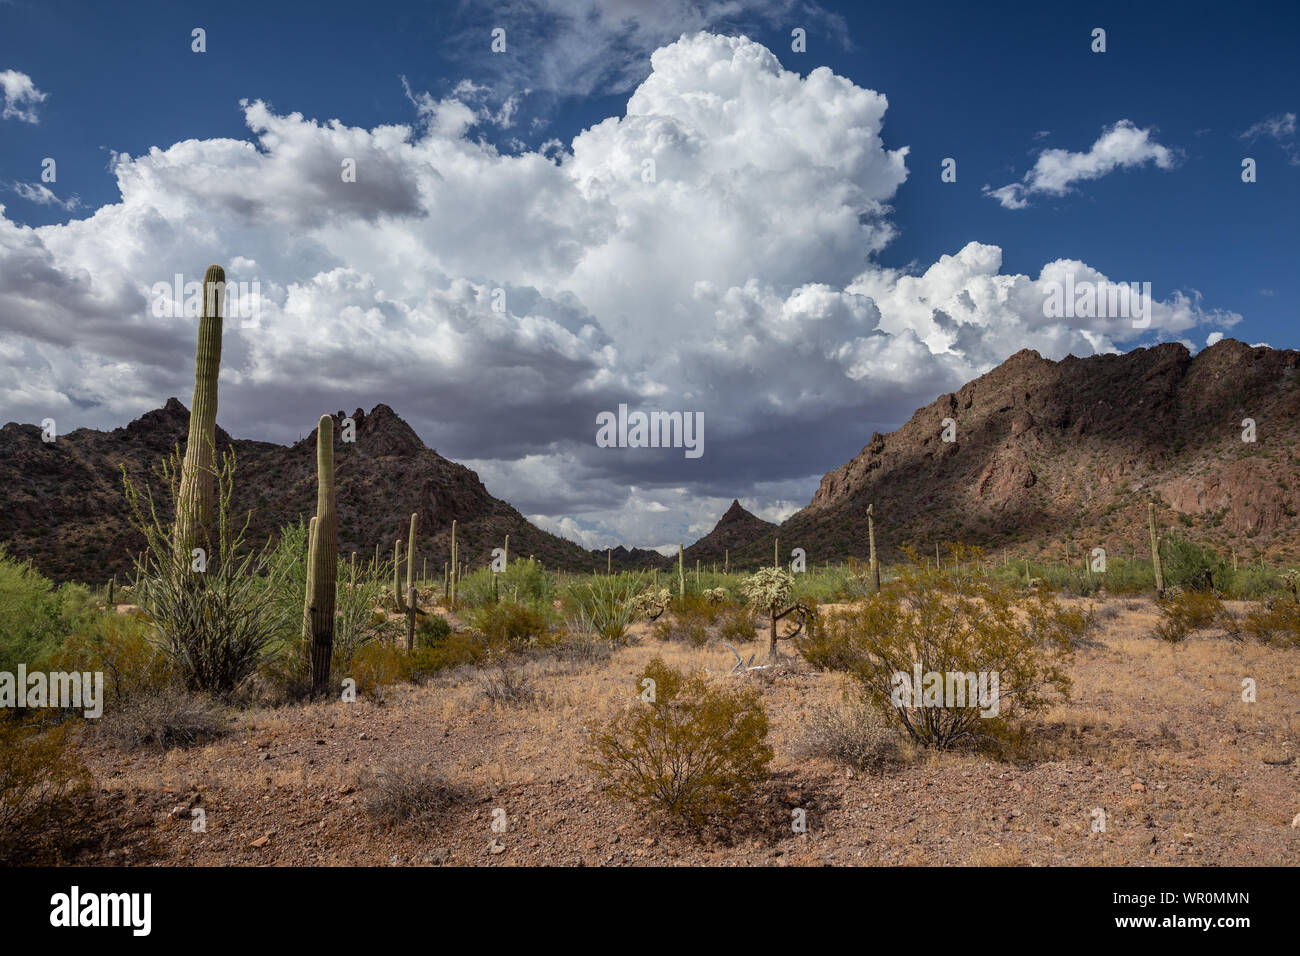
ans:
x=707 y=251
x=21 y=97
x=579 y=47
x=1056 y=171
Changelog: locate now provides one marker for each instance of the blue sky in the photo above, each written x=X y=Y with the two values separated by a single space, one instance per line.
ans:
x=1203 y=86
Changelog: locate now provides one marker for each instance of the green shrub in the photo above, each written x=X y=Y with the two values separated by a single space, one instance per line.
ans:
x=1183 y=612
x=119 y=646
x=34 y=617
x=1193 y=567
x=508 y=625
x=924 y=622
x=694 y=751
x=432 y=630
x=1277 y=621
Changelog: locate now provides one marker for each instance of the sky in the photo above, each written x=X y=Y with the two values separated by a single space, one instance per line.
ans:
x=794 y=222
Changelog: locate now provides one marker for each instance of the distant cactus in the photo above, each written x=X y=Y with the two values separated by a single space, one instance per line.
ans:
x=454 y=567
x=1155 y=548
x=322 y=571
x=195 y=499
x=681 y=570
x=871 y=543
x=397 y=576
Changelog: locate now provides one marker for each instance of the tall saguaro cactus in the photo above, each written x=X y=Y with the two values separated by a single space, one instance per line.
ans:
x=410 y=551
x=681 y=570
x=871 y=543
x=397 y=575
x=194 y=502
x=1155 y=548
x=322 y=573
x=454 y=568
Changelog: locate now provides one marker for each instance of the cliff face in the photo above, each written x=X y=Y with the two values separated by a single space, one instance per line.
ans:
x=61 y=504
x=1049 y=454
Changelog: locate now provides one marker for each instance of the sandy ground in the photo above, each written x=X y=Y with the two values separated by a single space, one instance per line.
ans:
x=1156 y=737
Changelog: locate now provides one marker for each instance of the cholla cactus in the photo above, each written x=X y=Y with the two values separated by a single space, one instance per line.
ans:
x=768 y=590
x=715 y=595
x=651 y=603
x=1292 y=579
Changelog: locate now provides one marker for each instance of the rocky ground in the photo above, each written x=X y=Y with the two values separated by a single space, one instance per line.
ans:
x=1156 y=737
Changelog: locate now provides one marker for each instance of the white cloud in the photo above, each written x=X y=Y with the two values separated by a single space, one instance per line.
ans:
x=1056 y=171
x=1281 y=128
x=737 y=283
x=43 y=196
x=21 y=96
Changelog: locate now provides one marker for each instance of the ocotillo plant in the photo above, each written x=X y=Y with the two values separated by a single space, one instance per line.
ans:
x=194 y=501
x=871 y=543
x=410 y=552
x=1155 y=548
x=322 y=572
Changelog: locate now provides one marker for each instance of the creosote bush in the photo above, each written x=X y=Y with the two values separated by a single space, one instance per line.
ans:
x=693 y=750
x=1276 y=621
x=982 y=655
x=1184 y=611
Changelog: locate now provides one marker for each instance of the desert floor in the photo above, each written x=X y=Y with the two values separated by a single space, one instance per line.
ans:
x=1156 y=736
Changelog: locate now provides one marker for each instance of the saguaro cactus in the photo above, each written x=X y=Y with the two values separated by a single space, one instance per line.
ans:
x=194 y=501
x=1155 y=548
x=322 y=572
x=871 y=543
x=681 y=570
x=455 y=572
x=410 y=551
x=397 y=575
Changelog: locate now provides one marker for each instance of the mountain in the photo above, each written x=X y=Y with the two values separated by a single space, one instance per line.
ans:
x=63 y=505
x=1051 y=458
x=735 y=531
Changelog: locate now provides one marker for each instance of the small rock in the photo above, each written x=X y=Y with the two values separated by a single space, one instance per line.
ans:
x=262 y=840
x=1137 y=786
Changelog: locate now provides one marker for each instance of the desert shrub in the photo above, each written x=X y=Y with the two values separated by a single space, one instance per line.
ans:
x=525 y=582
x=1277 y=620
x=34 y=617
x=922 y=629
x=855 y=734
x=431 y=630
x=1192 y=567
x=1183 y=612
x=119 y=647
x=689 y=621
x=380 y=665
x=508 y=686
x=580 y=648
x=736 y=625
x=161 y=720
x=217 y=625
x=399 y=796
x=696 y=751
x=44 y=789
x=508 y=625
x=605 y=605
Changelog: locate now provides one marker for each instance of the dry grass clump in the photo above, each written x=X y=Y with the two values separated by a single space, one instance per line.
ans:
x=411 y=796
x=508 y=686
x=164 y=719
x=855 y=734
